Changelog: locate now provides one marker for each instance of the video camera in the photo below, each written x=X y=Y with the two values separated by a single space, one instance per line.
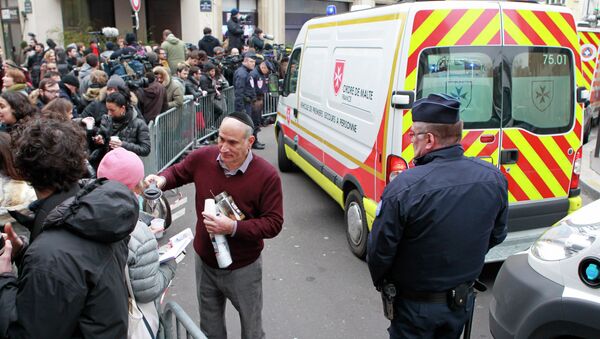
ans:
x=132 y=68
x=245 y=19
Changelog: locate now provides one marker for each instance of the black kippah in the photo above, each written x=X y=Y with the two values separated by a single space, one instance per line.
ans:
x=242 y=117
x=436 y=108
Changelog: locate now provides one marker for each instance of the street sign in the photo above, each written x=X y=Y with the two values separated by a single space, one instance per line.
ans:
x=27 y=7
x=205 y=5
x=136 y=4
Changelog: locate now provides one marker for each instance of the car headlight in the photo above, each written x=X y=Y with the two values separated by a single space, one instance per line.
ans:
x=564 y=240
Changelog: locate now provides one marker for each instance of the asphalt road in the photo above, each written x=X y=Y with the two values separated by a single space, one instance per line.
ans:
x=313 y=286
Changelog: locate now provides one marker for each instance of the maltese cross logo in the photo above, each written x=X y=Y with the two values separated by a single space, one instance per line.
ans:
x=338 y=76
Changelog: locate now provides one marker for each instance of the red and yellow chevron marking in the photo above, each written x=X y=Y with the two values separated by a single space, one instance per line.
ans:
x=459 y=27
x=545 y=162
x=588 y=67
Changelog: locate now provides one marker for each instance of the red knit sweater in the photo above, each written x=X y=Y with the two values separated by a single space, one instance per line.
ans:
x=257 y=193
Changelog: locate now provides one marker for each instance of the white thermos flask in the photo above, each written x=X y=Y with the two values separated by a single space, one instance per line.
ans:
x=219 y=241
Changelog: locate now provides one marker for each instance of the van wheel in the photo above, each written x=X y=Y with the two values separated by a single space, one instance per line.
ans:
x=356 y=224
x=285 y=164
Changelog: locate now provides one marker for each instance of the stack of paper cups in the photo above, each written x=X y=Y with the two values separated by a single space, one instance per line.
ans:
x=218 y=240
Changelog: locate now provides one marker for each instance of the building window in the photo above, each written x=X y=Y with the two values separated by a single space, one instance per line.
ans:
x=88 y=14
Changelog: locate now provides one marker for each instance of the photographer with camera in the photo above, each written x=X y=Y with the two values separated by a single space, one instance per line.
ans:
x=235 y=31
x=257 y=41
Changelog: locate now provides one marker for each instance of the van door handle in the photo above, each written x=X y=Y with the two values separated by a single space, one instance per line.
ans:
x=509 y=156
x=296 y=113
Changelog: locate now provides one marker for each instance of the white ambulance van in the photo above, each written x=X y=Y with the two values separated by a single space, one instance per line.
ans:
x=344 y=114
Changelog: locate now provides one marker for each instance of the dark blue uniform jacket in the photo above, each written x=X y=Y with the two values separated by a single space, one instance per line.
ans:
x=436 y=222
x=244 y=88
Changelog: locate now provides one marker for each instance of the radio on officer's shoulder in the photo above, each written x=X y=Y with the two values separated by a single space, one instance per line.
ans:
x=388 y=295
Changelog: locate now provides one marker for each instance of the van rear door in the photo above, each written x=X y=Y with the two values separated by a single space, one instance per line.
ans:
x=542 y=121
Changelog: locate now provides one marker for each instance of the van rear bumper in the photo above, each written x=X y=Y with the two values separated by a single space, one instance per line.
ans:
x=536 y=214
x=527 y=221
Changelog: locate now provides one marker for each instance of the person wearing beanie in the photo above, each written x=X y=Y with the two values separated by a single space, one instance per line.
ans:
x=69 y=90
x=149 y=278
x=235 y=31
x=116 y=82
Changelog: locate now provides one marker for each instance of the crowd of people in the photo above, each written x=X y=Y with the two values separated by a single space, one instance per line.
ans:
x=76 y=245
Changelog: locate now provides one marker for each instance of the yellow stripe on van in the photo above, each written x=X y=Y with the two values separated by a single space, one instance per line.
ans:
x=588 y=73
x=571 y=35
x=524 y=183
x=424 y=31
x=539 y=28
x=594 y=37
x=370 y=210
x=488 y=32
x=386 y=17
x=511 y=198
x=558 y=155
x=537 y=163
x=515 y=32
x=461 y=27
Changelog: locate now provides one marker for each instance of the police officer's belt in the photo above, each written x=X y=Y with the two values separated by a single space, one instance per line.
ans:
x=435 y=297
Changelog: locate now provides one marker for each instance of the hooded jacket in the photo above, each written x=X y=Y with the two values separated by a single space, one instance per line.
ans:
x=208 y=43
x=174 y=90
x=175 y=49
x=71 y=282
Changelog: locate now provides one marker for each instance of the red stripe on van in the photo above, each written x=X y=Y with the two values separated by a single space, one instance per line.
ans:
x=484 y=19
x=469 y=138
x=420 y=18
x=524 y=27
x=514 y=188
x=435 y=37
x=548 y=159
x=531 y=173
x=558 y=33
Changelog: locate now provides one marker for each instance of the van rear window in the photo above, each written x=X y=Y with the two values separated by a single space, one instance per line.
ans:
x=509 y=86
x=466 y=75
x=542 y=85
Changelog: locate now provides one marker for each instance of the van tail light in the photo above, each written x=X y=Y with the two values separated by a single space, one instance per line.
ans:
x=576 y=170
x=395 y=166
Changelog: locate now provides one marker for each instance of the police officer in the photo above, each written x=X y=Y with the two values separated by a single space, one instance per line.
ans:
x=435 y=223
x=245 y=94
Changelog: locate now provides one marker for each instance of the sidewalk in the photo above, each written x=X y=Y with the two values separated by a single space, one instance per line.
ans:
x=590 y=168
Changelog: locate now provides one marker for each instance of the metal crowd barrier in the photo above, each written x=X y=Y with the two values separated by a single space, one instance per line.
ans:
x=177 y=130
x=174 y=330
x=270 y=105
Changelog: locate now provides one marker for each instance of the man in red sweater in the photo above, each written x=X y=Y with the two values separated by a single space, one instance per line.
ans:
x=255 y=187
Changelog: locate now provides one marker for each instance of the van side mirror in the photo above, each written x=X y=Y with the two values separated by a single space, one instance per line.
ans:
x=583 y=94
x=403 y=99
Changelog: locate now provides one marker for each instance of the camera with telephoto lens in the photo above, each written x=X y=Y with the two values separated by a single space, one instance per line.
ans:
x=245 y=19
x=132 y=68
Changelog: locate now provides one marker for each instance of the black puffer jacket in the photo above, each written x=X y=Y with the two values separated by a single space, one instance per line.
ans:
x=71 y=282
x=133 y=132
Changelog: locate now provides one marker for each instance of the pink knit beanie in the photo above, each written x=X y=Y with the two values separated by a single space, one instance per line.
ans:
x=123 y=166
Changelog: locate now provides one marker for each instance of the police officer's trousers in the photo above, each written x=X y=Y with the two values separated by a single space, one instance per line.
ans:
x=422 y=320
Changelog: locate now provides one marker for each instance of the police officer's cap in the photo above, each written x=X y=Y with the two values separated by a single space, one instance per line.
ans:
x=250 y=55
x=242 y=117
x=436 y=108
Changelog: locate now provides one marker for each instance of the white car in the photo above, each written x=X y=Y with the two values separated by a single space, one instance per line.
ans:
x=553 y=289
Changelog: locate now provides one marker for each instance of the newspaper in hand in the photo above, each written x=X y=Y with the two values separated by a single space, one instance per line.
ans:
x=176 y=245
